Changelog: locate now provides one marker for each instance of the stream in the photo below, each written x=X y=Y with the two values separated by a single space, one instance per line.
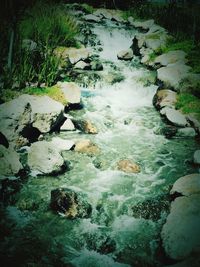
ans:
x=129 y=209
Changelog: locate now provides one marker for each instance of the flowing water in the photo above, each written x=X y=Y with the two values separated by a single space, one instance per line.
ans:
x=119 y=232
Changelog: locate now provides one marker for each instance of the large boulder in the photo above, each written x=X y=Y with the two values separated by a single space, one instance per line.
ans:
x=181 y=232
x=196 y=157
x=171 y=57
x=125 y=54
x=187 y=185
x=128 y=166
x=92 y=18
x=69 y=203
x=71 y=91
x=44 y=158
x=174 y=116
x=186 y=132
x=165 y=98
x=173 y=74
x=145 y=25
x=9 y=162
x=27 y=116
x=62 y=144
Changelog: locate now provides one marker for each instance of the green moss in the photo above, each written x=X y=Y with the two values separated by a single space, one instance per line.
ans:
x=87 y=8
x=54 y=92
x=188 y=103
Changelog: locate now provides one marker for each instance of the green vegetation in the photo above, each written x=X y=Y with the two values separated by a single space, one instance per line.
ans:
x=87 y=8
x=54 y=92
x=188 y=103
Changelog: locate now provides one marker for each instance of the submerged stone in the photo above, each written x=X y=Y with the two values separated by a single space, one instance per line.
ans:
x=72 y=204
x=128 y=166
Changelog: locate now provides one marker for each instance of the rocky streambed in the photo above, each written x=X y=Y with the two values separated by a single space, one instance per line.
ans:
x=107 y=180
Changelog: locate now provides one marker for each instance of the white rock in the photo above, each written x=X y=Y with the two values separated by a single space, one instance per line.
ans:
x=82 y=65
x=174 y=116
x=173 y=74
x=71 y=91
x=9 y=162
x=181 y=232
x=197 y=157
x=187 y=185
x=92 y=18
x=62 y=144
x=125 y=54
x=44 y=158
x=186 y=132
x=67 y=126
x=143 y=24
x=171 y=57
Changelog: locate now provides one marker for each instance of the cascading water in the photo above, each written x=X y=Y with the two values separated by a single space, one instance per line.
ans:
x=119 y=233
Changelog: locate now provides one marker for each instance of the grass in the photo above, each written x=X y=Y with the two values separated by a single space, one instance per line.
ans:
x=87 y=8
x=54 y=92
x=188 y=103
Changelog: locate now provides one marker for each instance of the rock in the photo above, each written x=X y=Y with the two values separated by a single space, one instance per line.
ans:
x=87 y=147
x=9 y=162
x=67 y=125
x=174 y=116
x=196 y=157
x=96 y=65
x=92 y=18
x=128 y=166
x=72 y=54
x=165 y=98
x=125 y=54
x=71 y=91
x=169 y=131
x=29 y=45
x=62 y=144
x=187 y=185
x=44 y=158
x=72 y=204
x=155 y=44
x=191 y=84
x=194 y=120
x=85 y=126
x=171 y=57
x=145 y=25
x=156 y=29
x=27 y=116
x=173 y=74
x=81 y=65
x=186 y=132
x=181 y=232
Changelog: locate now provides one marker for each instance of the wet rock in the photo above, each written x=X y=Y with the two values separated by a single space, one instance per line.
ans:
x=194 y=121
x=67 y=125
x=9 y=162
x=44 y=158
x=187 y=185
x=72 y=204
x=165 y=98
x=156 y=29
x=174 y=116
x=196 y=157
x=87 y=147
x=169 y=131
x=128 y=166
x=191 y=84
x=27 y=116
x=62 y=144
x=151 y=209
x=186 y=132
x=145 y=25
x=85 y=126
x=171 y=57
x=125 y=54
x=81 y=65
x=92 y=18
x=181 y=232
x=96 y=65
x=71 y=91
x=72 y=54
x=173 y=74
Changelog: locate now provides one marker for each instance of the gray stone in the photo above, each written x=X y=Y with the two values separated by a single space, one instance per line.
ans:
x=81 y=65
x=196 y=157
x=165 y=98
x=67 y=125
x=70 y=203
x=62 y=144
x=92 y=18
x=174 y=116
x=71 y=91
x=145 y=25
x=187 y=185
x=171 y=57
x=44 y=158
x=173 y=74
x=9 y=162
x=181 y=232
x=125 y=54
x=186 y=132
